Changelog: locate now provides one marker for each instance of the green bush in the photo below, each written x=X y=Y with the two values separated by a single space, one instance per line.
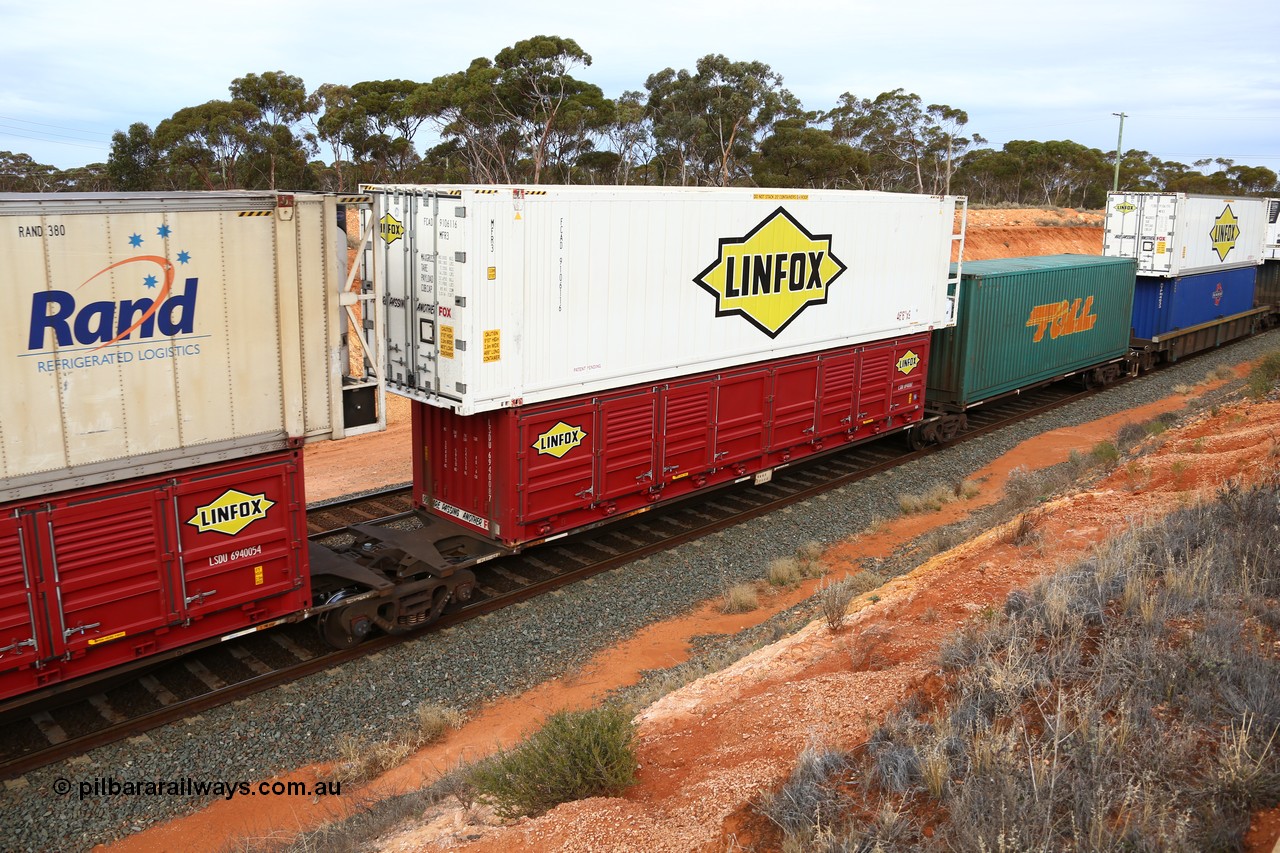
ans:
x=576 y=754
x=1264 y=375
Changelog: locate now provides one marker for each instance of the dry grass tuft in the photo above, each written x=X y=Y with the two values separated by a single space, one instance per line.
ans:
x=739 y=598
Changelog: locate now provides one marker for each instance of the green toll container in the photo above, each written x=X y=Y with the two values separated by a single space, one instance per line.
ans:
x=1022 y=322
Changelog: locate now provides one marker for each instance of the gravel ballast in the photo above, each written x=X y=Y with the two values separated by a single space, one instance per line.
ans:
x=501 y=653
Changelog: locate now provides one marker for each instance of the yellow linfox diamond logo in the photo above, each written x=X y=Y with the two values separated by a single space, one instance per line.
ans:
x=231 y=513
x=1225 y=230
x=559 y=440
x=772 y=273
x=390 y=228
x=1125 y=207
x=909 y=362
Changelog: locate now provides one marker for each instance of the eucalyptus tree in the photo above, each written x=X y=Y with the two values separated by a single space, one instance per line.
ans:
x=282 y=103
x=206 y=142
x=707 y=123
x=913 y=146
x=797 y=155
x=134 y=162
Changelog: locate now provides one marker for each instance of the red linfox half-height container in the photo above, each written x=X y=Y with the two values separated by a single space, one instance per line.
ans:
x=523 y=475
x=97 y=578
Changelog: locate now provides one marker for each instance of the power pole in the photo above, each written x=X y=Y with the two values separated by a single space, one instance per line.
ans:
x=1119 y=139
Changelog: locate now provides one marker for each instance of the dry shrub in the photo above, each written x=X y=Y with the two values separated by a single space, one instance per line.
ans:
x=1130 y=702
x=931 y=501
x=360 y=759
x=739 y=598
x=1222 y=371
x=1026 y=530
x=835 y=597
x=784 y=571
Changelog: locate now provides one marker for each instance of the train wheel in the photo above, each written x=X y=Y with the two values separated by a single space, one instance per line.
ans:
x=347 y=626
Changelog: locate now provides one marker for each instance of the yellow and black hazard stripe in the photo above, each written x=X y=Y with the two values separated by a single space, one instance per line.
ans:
x=355 y=199
x=255 y=213
x=486 y=192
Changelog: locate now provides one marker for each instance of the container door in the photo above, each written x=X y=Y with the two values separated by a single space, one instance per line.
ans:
x=557 y=461
x=19 y=645
x=446 y=297
x=1157 y=248
x=627 y=444
x=795 y=406
x=741 y=409
x=240 y=537
x=873 y=384
x=399 y=271
x=687 y=429
x=906 y=396
x=837 y=378
x=108 y=569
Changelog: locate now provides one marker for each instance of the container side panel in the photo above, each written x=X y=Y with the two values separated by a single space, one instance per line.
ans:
x=628 y=451
x=910 y=369
x=460 y=455
x=33 y=442
x=250 y=394
x=837 y=392
x=1162 y=306
x=687 y=431
x=741 y=420
x=573 y=463
x=795 y=402
x=110 y=562
x=558 y=462
x=874 y=377
x=240 y=537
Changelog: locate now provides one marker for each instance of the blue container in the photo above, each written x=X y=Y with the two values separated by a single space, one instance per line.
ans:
x=1164 y=305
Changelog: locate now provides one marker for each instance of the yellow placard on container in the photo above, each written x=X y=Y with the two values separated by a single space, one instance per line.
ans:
x=257 y=575
x=492 y=345
x=446 y=341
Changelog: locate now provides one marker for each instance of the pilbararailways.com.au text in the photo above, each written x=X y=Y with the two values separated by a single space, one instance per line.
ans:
x=111 y=786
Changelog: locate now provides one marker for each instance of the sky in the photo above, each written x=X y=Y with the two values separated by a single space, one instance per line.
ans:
x=1195 y=79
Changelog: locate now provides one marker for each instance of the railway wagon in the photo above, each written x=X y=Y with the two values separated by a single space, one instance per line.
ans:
x=577 y=354
x=1027 y=321
x=166 y=356
x=1176 y=234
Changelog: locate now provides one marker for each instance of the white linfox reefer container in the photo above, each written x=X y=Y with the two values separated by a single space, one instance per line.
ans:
x=503 y=296
x=1272 y=250
x=149 y=332
x=1174 y=234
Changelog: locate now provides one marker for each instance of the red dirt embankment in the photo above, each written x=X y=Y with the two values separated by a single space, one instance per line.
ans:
x=1017 y=233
